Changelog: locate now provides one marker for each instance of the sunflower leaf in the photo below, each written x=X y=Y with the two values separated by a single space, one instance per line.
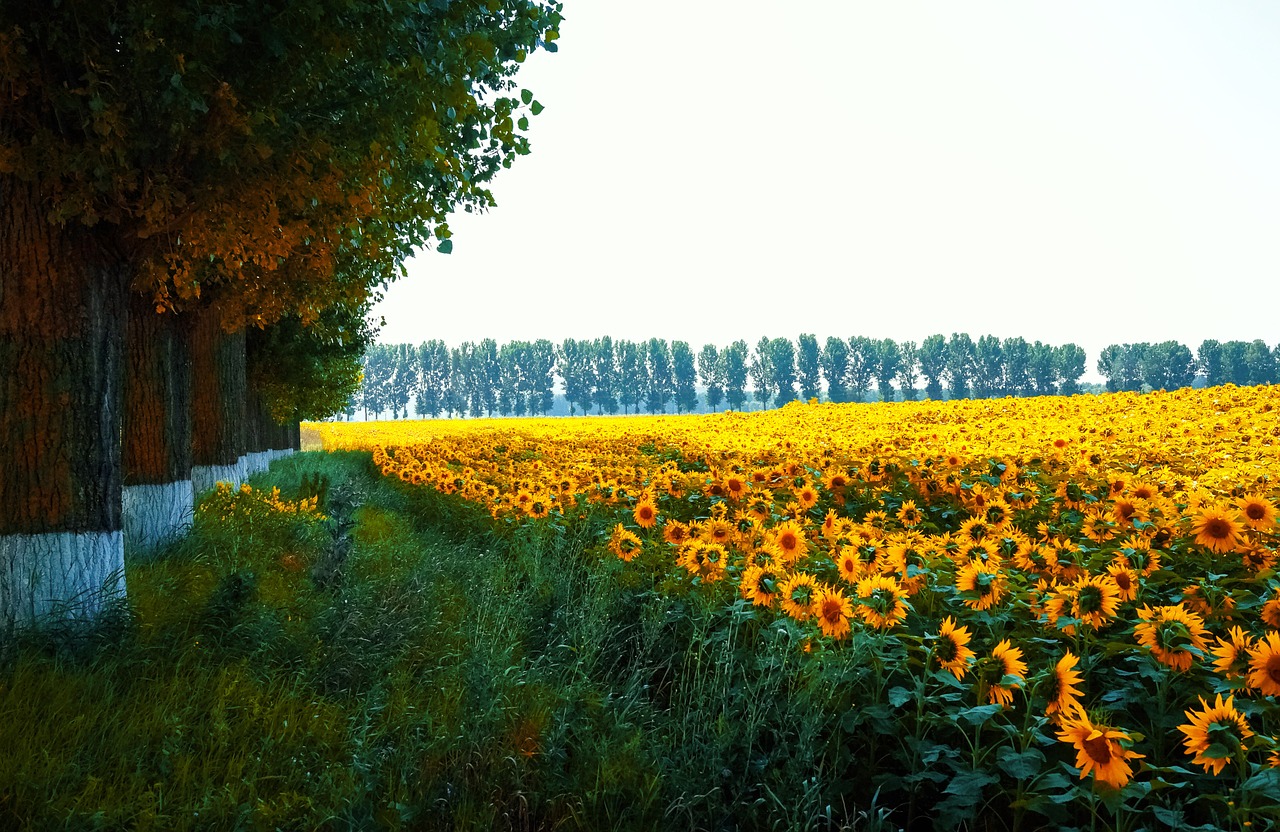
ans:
x=1019 y=765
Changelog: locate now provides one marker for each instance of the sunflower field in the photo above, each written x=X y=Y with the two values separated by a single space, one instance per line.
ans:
x=1056 y=610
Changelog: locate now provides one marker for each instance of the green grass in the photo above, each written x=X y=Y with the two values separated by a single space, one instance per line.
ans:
x=453 y=678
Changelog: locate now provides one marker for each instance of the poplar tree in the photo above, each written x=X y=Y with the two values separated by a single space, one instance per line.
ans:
x=932 y=355
x=235 y=161
x=685 y=374
x=734 y=361
x=808 y=367
x=711 y=372
x=835 y=364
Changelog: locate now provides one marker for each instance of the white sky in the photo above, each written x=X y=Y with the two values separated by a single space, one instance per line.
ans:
x=1095 y=172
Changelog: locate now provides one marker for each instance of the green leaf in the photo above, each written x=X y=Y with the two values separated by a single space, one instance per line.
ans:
x=536 y=108
x=523 y=123
x=968 y=785
x=526 y=96
x=1020 y=765
x=978 y=714
x=899 y=696
x=445 y=247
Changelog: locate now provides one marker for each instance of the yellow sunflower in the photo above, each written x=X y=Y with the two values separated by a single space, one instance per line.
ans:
x=832 y=610
x=645 y=513
x=951 y=650
x=1231 y=655
x=1126 y=580
x=624 y=543
x=1061 y=692
x=796 y=595
x=883 y=603
x=850 y=565
x=909 y=515
x=1005 y=662
x=673 y=531
x=1258 y=512
x=981 y=586
x=1095 y=600
x=1172 y=634
x=1100 y=750
x=1217 y=528
x=1264 y=665
x=760 y=584
x=1215 y=734
x=790 y=539
x=1271 y=612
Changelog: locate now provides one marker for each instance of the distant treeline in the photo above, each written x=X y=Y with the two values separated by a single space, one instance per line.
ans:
x=521 y=378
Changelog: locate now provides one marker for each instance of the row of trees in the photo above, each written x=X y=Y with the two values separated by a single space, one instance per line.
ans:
x=656 y=376
x=1170 y=365
x=198 y=205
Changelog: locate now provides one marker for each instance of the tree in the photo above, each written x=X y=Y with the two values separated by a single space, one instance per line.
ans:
x=808 y=367
x=685 y=373
x=761 y=371
x=574 y=363
x=962 y=361
x=1209 y=362
x=835 y=364
x=1043 y=369
x=604 y=376
x=659 y=379
x=1017 y=367
x=1235 y=369
x=248 y=160
x=631 y=375
x=863 y=361
x=888 y=358
x=988 y=367
x=1069 y=364
x=908 y=370
x=782 y=361
x=1122 y=366
x=734 y=361
x=932 y=356
x=1260 y=363
x=711 y=372
x=540 y=375
x=1168 y=365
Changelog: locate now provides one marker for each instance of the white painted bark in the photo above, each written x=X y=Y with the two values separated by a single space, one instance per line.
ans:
x=157 y=514
x=204 y=477
x=58 y=576
x=257 y=461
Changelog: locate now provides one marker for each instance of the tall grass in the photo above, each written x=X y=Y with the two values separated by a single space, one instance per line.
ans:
x=445 y=677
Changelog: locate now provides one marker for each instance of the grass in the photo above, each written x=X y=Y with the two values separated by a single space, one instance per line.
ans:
x=440 y=676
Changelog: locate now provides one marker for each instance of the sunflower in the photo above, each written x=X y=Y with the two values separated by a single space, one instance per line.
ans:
x=539 y=507
x=760 y=584
x=1062 y=693
x=1097 y=526
x=796 y=595
x=1005 y=661
x=979 y=551
x=645 y=513
x=884 y=604
x=1258 y=512
x=736 y=487
x=1172 y=634
x=760 y=508
x=1231 y=655
x=952 y=651
x=790 y=540
x=1094 y=600
x=716 y=530
x=1126 y=580
x=673 y=531
x=836 y=480
x=1217 y=528
x=909 y=515
x=1271 y=612
x=703 y=559
x=975 y=529
x=1256 y=556
x=850 y=565
x=998 y=513
x=1264 y=665
x=807 y=496
x=1215 y=733
x=980 y=585
x=832 y=610
x=1100 y=749
x=624 y=543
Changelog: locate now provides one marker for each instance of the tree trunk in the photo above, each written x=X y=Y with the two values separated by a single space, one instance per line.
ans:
x=62 y=316
x=218 y=393
x=158 y=497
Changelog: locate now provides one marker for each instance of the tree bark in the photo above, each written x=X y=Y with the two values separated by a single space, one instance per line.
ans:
x=158 y=497
x=62 y=319
x=218 y=393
